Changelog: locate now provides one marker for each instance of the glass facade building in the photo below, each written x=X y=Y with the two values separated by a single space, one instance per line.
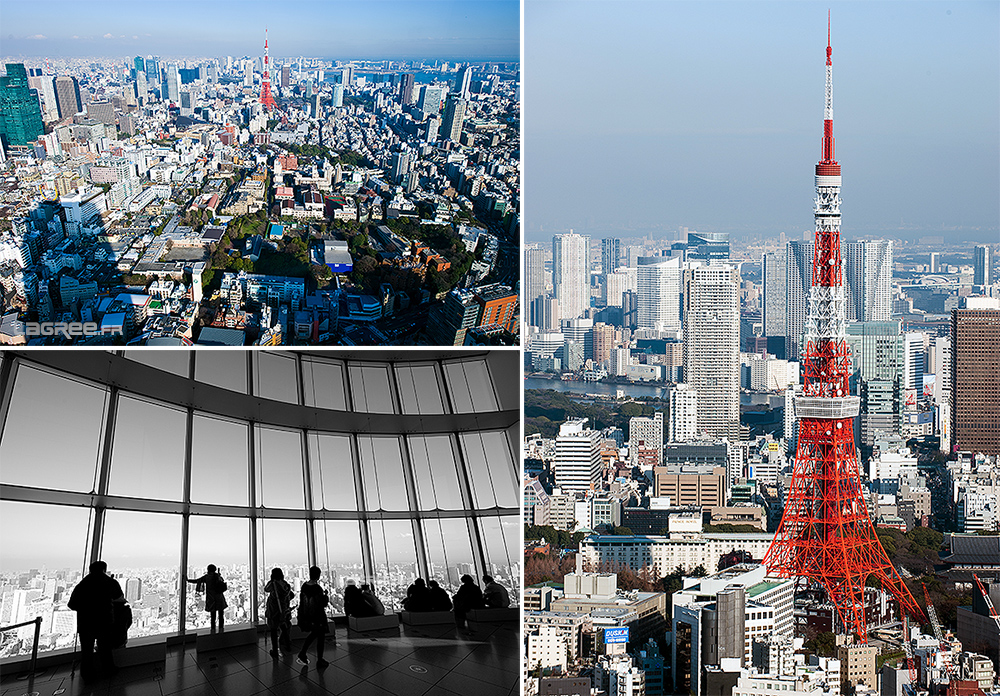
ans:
x=377 y=466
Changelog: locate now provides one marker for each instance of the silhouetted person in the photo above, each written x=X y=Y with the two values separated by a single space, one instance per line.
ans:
x=469 y=596
x=93 y=601
x=368 y=594
x=439 y=599
x=313 y=601
x=355 y=604
x=494 y=594
x=418 y=597
x=214 y=587
x=278 y=612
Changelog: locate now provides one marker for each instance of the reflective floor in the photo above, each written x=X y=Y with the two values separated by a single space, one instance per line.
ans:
x=421 y=661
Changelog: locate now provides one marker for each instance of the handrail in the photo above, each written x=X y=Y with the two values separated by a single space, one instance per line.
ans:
x=34 y=647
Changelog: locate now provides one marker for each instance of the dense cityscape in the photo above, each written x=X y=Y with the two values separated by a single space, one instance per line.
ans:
x=259 y=201
x=761 y=465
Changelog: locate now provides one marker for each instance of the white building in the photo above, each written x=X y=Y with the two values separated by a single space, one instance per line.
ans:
x=712 y=347
x=683 y=413
x=868 y=280
x=578 y=457
x=664 y=554
x=571 y=273
x=658 y=286
x=645 y=437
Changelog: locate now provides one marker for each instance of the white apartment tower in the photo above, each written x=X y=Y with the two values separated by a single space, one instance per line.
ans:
x=712 y=347
x=658 y=285
x=683 y=424
x=645 y=435
x=868 y=280
x=578 y=457
x=571 y=273
x=534 y=279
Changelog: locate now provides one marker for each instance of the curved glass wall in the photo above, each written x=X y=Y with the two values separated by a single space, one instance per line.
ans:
x=377 y=467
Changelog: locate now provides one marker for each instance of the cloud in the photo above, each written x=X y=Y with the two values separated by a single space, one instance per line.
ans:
x=37 y=36
x=74 y=36
x=109 y=36
x=134 y=37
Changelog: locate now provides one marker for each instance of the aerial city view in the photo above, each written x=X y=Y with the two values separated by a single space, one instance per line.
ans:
x=293 y=177
x=762 y=442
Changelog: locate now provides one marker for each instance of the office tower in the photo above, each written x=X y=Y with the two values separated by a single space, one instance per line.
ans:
x=578 y=457
x=683 y=413
x=707 y=246
x=140 y=65
x=68 y=96
x=913 y=361
x=774 y=282
x=133 y=587
x=285 y=76
x=645 y=440
x=868 y=280
x=347 y=76
x=141 y=89
x=153 y=69
x=798 y=278
x=603 y=340
x=534 y=280
x=406 y=89
x=616 y=284
x=982 y=265
x=826 y=534
x=877 y=367
x=20 y=112
x=316 y=103
x=611 y=254
x=571 y=274
x=935 y=258
x=171 y=87
x=433 y=123
x=463 y=82
x=45 y=86
x=337 y=100
x=581 y=331
x=430 y=98
x=975 y=376
x=400 y=165
x=658 y=286
x=266 y=98
x=454 y=117
x=712 y=347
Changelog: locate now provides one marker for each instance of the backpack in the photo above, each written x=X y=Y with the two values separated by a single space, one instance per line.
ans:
x=221 y=586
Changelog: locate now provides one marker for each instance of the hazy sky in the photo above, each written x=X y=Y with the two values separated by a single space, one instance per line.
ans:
x=376 y=29
x=647 y=116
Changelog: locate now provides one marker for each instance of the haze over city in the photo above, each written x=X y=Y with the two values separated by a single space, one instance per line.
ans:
x=645 y=117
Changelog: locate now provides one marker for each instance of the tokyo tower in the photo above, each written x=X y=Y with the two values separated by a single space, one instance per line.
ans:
x=826 y=534
x=265 y=86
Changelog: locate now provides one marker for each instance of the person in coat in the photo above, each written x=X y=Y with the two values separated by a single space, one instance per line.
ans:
x=214 y=587
x=278 y=611
x=93 y=600
x=313 y=601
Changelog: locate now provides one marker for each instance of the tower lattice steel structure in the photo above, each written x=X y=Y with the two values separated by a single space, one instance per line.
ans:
x=826 y=534
x=265 y=86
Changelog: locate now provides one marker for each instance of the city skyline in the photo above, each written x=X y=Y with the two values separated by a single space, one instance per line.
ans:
x=708 y=115
x=434 y=30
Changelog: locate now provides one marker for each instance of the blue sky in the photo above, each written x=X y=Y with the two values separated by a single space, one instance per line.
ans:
x=647 y=116
x=377 y=29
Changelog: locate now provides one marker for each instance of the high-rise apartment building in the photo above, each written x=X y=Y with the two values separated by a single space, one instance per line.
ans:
x=454 y=117
x=603 y=340
x=773 y=304
x=982 y=265
x=645 y=440
x=975 y=376
x=578 y=457
x=571 y=273
x=712 y=347
x=611 y=254
x=868 y=280
x=534 y=279
x=658 y=286
x=68 y=96
x=463 y=82
x=430 y=98
x=616 y=284
x=913 y=361
x=20 y=111
x=683 y=413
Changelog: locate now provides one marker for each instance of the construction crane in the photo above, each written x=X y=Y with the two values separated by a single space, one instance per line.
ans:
x=989 y=602
x=932 y=613
x=908 y=648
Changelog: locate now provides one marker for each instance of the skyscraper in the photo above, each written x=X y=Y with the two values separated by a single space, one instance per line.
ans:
x=20 y=112
x=877 y=377
x=975 y=376
x=534 y=280
x=645 y=440
x=68 y=96
x=982 y=265
x=707 y=246
x=913 y=361
x=463 y=82
x=171 y=87
x=868 y=280
x=571 y=273
x=798 y=278
x=430 y=99
x=611 y=254
x=712 y=347
x=773 y=267
x=406 y=89
x=454 y=117
x=658 y=285
x=683 y=413
x=140 y=65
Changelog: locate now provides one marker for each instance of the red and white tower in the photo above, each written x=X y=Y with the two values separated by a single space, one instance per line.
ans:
x=265 y=86
x=826 y=534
